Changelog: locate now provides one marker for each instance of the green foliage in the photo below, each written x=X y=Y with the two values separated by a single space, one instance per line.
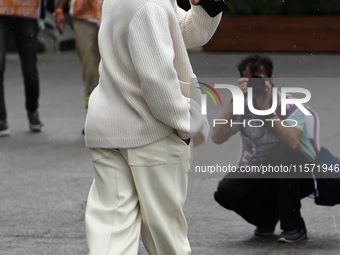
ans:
x=283 y=7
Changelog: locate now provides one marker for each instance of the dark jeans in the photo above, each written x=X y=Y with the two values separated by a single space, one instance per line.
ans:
x=25 y=31
x=262 y=201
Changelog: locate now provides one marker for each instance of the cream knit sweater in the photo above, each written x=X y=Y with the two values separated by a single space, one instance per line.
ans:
x=147 y=88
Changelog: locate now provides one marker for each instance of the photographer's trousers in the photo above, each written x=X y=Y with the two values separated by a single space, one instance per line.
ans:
x=260 y=201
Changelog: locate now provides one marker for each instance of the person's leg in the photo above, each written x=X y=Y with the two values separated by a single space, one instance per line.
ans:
x=253 y=199
x=112 y=217
x=160 y=171
x=306 y=187
x=86 y=34
x=4 y=34
x=26 y=34
x=288 y=203
x=288 y=190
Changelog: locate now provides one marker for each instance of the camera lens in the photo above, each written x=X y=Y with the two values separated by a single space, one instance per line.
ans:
x=258 y=83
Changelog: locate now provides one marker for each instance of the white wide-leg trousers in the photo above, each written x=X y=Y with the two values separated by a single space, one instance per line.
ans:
x=139 y=190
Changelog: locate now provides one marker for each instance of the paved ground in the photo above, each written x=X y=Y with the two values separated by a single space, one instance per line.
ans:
x=45 y=177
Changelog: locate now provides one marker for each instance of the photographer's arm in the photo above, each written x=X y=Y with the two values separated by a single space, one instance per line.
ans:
x=290 y=136
x=222 y=132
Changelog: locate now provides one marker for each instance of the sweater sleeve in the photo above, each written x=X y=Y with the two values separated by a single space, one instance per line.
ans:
x=151 y=48
x=196 y=25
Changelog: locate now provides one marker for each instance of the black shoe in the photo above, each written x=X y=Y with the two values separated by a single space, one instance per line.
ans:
x=293 y=236
x=266 y=231
x=34 y=122
x=4 y=129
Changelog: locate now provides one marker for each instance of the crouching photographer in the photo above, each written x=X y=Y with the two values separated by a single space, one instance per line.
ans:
x=263 y=200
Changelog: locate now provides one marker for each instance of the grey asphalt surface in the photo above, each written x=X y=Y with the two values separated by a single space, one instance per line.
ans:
x=45 y=177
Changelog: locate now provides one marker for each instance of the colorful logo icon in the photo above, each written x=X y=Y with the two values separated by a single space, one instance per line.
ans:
x=208 y=92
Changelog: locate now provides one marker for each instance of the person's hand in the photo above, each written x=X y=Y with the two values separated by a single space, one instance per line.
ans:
x=263 y=100
x=186 y=141
x=242 y=85
x=197 y=2
x=60 y=22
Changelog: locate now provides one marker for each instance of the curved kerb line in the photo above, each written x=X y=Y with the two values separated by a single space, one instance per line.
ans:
x=209 y=94
x=212 y=89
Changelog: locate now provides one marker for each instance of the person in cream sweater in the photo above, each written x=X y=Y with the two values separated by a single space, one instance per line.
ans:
x=143 y=119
